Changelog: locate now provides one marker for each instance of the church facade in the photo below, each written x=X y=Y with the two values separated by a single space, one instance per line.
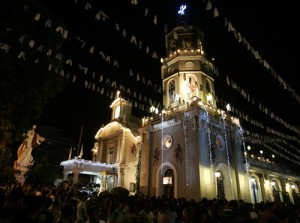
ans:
x=192 y=149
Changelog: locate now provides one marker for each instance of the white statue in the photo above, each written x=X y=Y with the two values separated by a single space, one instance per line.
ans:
x=31 y=141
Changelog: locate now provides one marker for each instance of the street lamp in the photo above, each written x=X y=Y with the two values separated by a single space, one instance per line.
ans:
x=253 y=183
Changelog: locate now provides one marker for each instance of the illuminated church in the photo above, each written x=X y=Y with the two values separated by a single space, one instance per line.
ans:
x=192 y=149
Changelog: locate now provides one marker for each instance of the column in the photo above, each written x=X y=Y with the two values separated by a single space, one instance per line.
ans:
x=65 y=175
x=75 y=176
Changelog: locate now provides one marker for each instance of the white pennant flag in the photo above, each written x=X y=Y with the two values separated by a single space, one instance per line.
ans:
x=88 y=6
x=134 y=2
x=21 y=55
x=216 y=13
x=37 y=17
x=208 y=6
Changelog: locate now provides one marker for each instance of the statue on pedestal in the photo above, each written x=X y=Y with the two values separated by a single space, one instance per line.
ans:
x=25 y=159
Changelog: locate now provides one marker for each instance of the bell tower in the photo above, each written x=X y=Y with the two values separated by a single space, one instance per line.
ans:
x=121 y=109
x=186 y=72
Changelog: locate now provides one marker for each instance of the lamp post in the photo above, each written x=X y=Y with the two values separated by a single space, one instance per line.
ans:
x=253 y=183
x=218 y=175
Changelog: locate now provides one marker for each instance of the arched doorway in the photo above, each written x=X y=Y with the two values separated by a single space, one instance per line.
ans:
x=168 y=184
x=220 y=185
x=254 y=190
x=276 y=191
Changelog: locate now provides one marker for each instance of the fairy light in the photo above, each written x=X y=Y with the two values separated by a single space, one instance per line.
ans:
x=210 y=149
x=162 y=144
x=138 y=170
x=186 y=149
x=245 y=151
x=226 y=147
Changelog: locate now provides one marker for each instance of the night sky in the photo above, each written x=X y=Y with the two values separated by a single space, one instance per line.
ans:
x=271 y=31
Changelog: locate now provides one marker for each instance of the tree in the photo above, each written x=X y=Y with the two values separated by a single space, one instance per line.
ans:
x=30 y=68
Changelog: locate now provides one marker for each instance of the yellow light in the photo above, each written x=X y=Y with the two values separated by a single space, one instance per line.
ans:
x=217 y=174
x=209 y=97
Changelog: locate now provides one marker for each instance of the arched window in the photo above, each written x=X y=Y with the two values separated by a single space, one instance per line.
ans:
x=207 y=86
x=172 y=91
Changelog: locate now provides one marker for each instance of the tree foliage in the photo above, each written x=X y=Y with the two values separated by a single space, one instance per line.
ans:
x=31 y=60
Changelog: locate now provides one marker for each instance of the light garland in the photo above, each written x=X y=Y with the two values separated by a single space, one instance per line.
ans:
x=186 y=148
x=245 y=151
x=261 y=107
x=255 y=53
x=138 y=169
x=227 y=150
x=162 y=144
x=226 y=143
x=256 y=138
x=210 y=149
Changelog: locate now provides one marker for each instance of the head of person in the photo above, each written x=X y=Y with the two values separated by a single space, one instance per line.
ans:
x=188 y=214
x=93 y=210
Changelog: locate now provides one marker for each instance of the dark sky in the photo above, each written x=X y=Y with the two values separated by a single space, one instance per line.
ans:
x=270 y=29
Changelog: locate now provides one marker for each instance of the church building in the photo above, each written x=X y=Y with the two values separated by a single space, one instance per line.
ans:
x=191 y=149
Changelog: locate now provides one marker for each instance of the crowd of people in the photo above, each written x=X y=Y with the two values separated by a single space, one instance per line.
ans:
x=67 y=204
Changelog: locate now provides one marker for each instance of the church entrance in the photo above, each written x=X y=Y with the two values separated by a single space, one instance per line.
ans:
x=168 y=184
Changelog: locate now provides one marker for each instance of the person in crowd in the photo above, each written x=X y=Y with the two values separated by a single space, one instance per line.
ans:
x=81 y=216
x=94 y=212
x=12 y=208
x=146 y=213
x=162 y=214
x=187 y=215
x=118 y=214
x=67 y=214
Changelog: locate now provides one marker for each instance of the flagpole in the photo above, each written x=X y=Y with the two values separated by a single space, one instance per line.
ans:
x=70 y=154
x=79 y=142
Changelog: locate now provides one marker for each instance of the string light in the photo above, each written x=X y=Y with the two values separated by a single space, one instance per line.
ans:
x=245 y=152
x=162 y=143
x=186 y=149
x=138 y=170
x=227 y=149
x=210 y=148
